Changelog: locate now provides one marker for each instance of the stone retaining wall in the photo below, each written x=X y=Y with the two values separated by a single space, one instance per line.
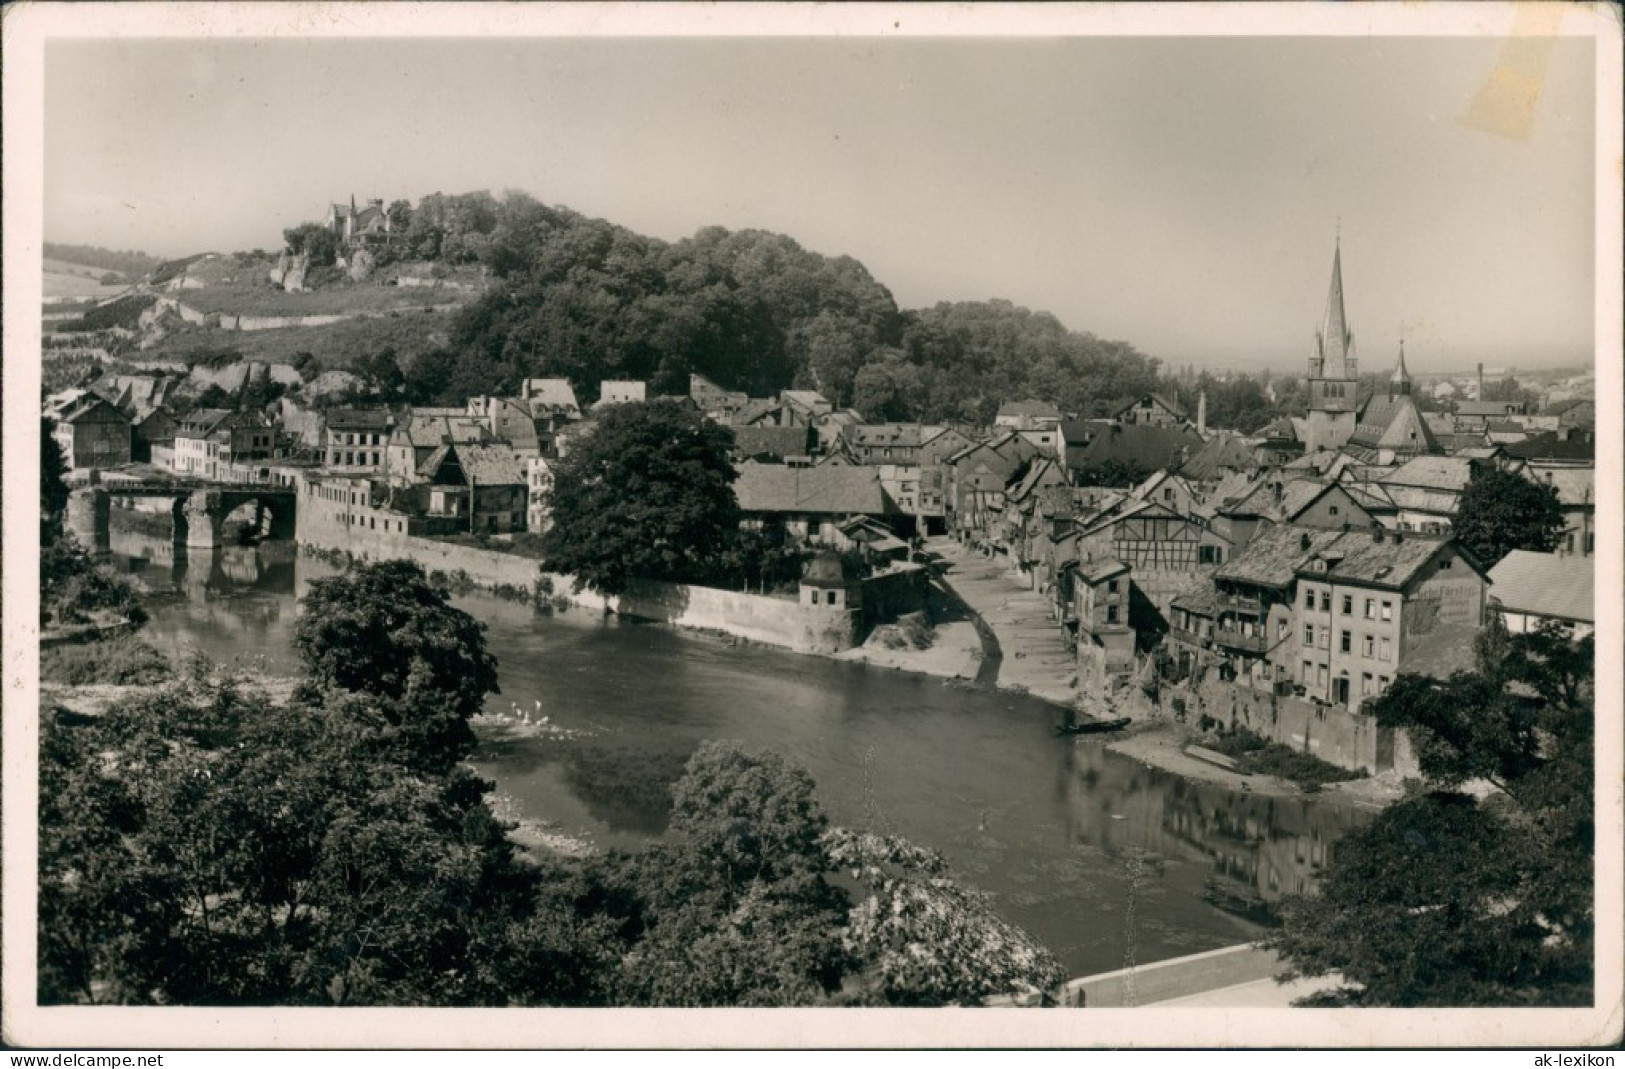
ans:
x=771 y=621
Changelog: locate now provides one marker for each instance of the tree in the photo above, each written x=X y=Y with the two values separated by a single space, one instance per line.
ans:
x=384 y=630
x=207 y=845
x=1502 y=511
x=1449 y=900
x=53 y=484
x=382 y=370
x=745 y=905
x=647 y=494
x=735 y=910
x=314 y=240
x=924 y=940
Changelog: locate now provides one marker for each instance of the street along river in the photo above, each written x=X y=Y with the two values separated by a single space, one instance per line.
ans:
x=1106 y=861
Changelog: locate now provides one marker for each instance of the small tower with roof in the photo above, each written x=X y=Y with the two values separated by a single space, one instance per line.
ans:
x=829 y=582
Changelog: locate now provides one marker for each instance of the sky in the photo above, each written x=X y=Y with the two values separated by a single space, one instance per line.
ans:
x=1183 y=194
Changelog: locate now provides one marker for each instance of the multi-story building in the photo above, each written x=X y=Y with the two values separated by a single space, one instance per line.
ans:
x=1336 y=616
x=92 y=432
x=354 y=439
x=210 y=440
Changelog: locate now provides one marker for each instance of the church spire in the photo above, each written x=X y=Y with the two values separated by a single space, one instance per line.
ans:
x=1334 y=344
x=1400 y=382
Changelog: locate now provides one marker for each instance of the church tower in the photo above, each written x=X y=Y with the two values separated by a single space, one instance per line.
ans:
x=1334 y=373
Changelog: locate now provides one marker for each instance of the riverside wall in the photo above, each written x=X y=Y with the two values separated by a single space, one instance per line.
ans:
x=374 y=534
x=1342 y=737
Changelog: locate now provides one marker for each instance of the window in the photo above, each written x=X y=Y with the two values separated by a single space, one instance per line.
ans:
x=1444 y=565
x=1348 y=605
x=1111 y=586
x=1321 y=675
x=831 y=597
x=1387 y=610
x=1167 y=493
x=1346 y=642
x=1384 y=650
x=1369 y=647
x=1308 y=634
x=1370 y=609
x=1333 y=509
x=1308 y=671
x=1590 y=543
x=1382 y=682
x=1111 y=614
x=1325 y=601
x=1281 y=626
x=1308 y=598
x=1326 y=639
x=1365 y=683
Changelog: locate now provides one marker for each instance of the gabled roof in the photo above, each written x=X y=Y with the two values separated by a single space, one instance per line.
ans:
x=551 y=394
x=1154 y=398
x=1432 y=473
x=1273 y=556
x=82 y=406
x=1224 y=453
x=427 y=430
x=905 y=435
x=773 y=441
x=1284 y=429
x=1545 y=584
x=1030 y=408
x=1553 y=446
x=204 y=421
x=826 y=489
x=491 y=464
x=1144 y=445
x=1077 y=432
x=1379 y=558
x=1101 y=570
x=1486 y=408
x=1394 y=423
x=1296 y=497
x=1574 y=486
x=357 y=419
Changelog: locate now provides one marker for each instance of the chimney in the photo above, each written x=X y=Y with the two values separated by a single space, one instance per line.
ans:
x=1481 y=396
x=1376 y=535
x=1399 y=536
x=1201 y=414
x=1304 y=541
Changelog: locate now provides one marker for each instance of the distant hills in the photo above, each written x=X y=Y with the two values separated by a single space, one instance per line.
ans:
x=130 y=265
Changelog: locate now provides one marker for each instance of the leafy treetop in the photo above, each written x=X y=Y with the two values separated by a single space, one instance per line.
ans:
x=646 y=494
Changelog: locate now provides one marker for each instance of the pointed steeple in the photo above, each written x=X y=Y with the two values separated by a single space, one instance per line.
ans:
x=1400 y=382
x=1334 y=343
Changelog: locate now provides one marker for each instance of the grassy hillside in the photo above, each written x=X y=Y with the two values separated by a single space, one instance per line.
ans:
x=336 y=346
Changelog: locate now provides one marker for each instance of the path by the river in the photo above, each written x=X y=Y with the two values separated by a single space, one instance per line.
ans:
x=1032 y=649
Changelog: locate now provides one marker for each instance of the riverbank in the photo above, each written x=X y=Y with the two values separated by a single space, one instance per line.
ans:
x=1161 y=744
x=1034 y=658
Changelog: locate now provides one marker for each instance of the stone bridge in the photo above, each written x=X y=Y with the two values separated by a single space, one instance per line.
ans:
x=199 y=513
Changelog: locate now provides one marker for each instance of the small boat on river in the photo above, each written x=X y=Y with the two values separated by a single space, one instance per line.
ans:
x=1092 y=727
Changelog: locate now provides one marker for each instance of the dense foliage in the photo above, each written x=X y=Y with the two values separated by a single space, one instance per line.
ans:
x=647 y=493
x=586 y=300
x=385 y=631
x=313 y=240
x=1448 y=899
x=1502 y=511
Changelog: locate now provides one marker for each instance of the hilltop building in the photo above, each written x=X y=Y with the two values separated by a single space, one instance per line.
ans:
x=368 y=226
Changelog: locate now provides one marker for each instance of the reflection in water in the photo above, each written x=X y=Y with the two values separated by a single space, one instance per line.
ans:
x=1104 y=860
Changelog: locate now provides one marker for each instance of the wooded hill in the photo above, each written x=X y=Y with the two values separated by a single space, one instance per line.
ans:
x=752 y=310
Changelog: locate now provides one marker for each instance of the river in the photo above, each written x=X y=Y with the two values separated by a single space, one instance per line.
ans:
x=1106 y=861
